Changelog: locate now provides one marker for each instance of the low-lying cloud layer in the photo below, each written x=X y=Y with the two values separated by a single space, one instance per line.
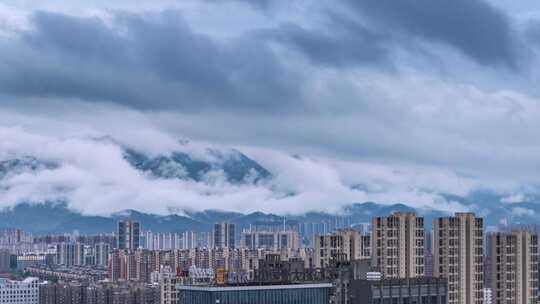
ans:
x=93 y=177
x=386 y=101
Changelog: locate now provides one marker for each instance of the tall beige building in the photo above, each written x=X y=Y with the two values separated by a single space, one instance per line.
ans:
x=167 y=284
x=397 y=245
x=514 y=267
x=458 y=256
x=347 y=244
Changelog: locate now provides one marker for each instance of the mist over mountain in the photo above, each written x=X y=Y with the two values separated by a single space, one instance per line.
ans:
x=50 y=183
x=26 y=164
x=237 y=167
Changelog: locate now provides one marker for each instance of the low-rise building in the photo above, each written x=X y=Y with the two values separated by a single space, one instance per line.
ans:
x=63 y=273
x=261 y=294
x=27 y=260
x=399 y=291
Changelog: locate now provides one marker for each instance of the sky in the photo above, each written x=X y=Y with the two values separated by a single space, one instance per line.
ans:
x=410 y=99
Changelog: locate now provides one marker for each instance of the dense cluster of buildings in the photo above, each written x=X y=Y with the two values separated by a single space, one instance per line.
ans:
x=396 y=259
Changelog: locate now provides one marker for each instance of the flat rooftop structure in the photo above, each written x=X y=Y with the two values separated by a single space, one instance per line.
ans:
x=257 y=294
x=28 y=280
x=399 y=291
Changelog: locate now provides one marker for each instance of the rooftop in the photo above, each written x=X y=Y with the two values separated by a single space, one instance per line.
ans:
x=250 y=287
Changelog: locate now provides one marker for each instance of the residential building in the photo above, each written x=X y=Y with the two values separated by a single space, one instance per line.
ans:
x=128 y=235
x=189 y=240
x=458 y=256
x=397 y=245
x=65 y=254
x=167 y=285
x=115 y=266
x=101 y=252
x=345 y=244
x=224 y=235
x=514 y=267
x=5 y=260
x=428 y=254
x=19 y=292
x=143 y=265
x=274 y=240
x=98 y=293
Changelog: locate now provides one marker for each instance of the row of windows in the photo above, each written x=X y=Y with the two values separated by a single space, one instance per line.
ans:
x=285 y=296
x=411 y=300
x=18 y=291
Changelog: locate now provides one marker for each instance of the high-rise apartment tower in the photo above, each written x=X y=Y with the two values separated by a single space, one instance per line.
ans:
x=458 y=248
x=397 y=245
x=128 y=235
x=514 y=267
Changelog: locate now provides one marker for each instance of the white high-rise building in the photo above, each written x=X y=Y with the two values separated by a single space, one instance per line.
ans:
x=70 y=254
x=19 y=292
x=101 y=253
x=163 y=240
x=287 y=239
x=189 y=240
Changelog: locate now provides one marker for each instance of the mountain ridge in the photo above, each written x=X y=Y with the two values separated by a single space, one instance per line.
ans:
x=58 y=218
x=237 y=168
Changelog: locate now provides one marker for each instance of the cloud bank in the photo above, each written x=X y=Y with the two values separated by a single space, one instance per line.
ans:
x=92 y=176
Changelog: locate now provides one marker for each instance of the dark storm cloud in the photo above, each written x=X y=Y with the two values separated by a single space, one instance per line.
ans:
x=344 y=43
x=474 y=27
x=161 y=62
x=145 y=62
x=86 y=38
x=261 y=4
x=533 y=32
x=368 y=32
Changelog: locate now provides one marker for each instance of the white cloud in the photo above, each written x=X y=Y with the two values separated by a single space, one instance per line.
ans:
x=519 y=211
x=95 y=179
x=514 y=198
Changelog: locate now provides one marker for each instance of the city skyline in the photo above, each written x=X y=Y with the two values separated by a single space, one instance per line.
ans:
x=454 y=261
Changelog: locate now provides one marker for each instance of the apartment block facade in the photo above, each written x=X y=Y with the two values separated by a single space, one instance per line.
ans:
x=458 y=256
x=514 y=267
x=397 y=245
x=345 y=244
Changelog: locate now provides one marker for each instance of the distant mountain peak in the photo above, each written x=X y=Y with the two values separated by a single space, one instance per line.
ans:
x=15 y=166
x=236 y=166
